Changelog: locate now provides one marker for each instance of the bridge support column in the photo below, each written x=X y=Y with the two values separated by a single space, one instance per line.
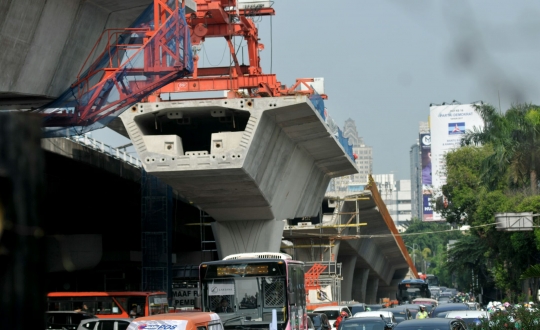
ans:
x=347 y=271
x=371 y=291
x=247 y=236
x=389 y=291
x=360 y=279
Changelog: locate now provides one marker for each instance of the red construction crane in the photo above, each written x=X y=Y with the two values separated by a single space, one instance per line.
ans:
x=227 y=19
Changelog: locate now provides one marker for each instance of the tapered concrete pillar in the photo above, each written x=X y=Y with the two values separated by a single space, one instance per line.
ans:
x=371 y=290
x=347 y=271
x=360 y=279
x=247 y=236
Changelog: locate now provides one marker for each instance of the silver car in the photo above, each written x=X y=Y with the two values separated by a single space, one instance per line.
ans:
x=105 y=324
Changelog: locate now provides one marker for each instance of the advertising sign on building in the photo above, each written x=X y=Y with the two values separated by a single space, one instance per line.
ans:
x=425 y=152
x=448 y=124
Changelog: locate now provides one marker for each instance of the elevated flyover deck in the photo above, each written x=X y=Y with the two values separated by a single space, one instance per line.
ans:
x=361 y=235
x=249 y=163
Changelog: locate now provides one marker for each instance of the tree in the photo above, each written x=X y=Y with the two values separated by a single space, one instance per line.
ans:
x=515 y=139
x=431 y=239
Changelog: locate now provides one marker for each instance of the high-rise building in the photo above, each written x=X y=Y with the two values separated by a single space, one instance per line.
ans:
x=396 y=195
x=416 y=181
x=417 y=191
x=364 y=162
x=403 y=203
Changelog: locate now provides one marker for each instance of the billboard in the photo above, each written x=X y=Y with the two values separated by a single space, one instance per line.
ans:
x=425 y=152
x=448 y=124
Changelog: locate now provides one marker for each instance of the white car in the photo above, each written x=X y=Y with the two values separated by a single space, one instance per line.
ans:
x=469 y=316
x=99 y=324
x=388 y=316
x=332 y=312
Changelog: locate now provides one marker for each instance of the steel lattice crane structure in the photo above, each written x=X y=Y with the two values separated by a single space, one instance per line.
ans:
x=135 y=62
x=227 y=19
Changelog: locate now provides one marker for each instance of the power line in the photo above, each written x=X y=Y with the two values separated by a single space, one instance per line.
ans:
x=424 y=232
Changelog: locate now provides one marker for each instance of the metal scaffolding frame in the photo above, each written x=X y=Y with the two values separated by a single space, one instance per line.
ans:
x=206 y=245
x=322 y=243
x=156 y=232
x=330 y=276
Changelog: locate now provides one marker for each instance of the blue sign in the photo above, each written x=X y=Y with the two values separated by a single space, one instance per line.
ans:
x=456 y=128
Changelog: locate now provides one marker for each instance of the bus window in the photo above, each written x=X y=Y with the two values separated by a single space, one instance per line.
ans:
x=214 y=299
x=247 y=291
x=106 y=305
x=61 y=304
x=84 y=306
x=139 y=303
x=158 y=304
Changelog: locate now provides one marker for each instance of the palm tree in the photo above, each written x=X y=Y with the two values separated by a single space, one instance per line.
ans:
x=515 y=138
x=531 y=272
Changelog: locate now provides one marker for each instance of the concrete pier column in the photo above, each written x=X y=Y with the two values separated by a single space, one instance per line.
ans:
x=360 y=279
x=347 y=271
x=389 y=291
x=247 y=236
x=371 y=290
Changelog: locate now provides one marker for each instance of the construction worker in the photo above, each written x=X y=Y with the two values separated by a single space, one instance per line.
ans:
x=340 y=318
x=422 y=314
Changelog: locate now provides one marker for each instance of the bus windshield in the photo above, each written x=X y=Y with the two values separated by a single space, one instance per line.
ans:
x=407 y=291
x=432 y=280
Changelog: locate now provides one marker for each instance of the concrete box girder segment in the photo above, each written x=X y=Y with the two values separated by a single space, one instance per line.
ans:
x=240 y=159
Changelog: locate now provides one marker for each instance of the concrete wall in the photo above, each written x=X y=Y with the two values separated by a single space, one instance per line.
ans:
x=44 y=43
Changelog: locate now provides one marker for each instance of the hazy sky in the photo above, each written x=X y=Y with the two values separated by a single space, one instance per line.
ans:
x=384 y=62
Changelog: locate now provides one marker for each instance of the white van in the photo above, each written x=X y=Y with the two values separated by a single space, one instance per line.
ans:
x=332 y=312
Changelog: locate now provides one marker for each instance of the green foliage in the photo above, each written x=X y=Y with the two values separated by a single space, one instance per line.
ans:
x=531 y=272
x=515 y=139
x=430 y=248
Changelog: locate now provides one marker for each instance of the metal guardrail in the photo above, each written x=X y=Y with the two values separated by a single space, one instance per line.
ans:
x=106 y=149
